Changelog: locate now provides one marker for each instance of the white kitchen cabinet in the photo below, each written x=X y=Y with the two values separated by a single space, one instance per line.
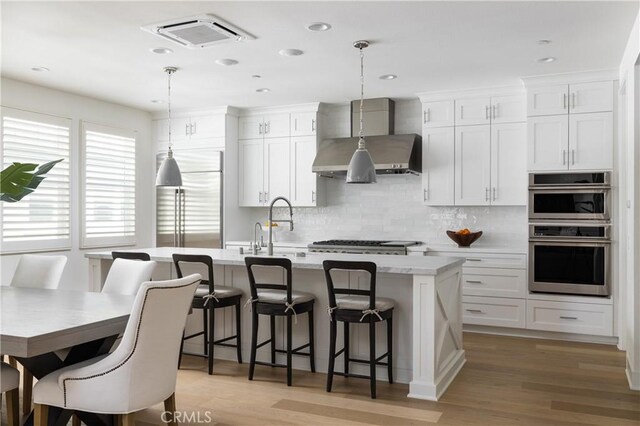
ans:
x=251 y=173
x=548 y=143
x=438 y=114
x=508 y=164
x=191 y=130
x=438 y=147
x=303 y=123
x=304 y=183
x=494 y=311
x=473 y=111
x=263 y=126
x=508 y=109
x=277 y=177
x=472 y=165
x=493 y=282
x=582 y=318
x=206 y=127
x=548 y=100
x=591 y=97
x=590 y=141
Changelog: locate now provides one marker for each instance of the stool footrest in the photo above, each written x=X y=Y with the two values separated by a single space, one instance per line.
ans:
x=269 y=364
x=191 y=336
x=221 y=341
x=356 y=376
x=263 y=343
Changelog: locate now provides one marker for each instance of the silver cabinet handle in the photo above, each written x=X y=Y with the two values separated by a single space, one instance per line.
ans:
x=472 y=259
x=186 y=130
x=564 y=157
x=426 y=115
x=573 y=100
x=569 y=318
x=313 y=124
x=493 y=190
x=313 y=196
x=486 y=194
x=486 y=112
x=260 y=128
x=475 y=311
x=425 y=194
x=259 y=197
x=573 y=157
x=194 y=129
x=267 y=127
x=494 y=110
x=474 y=282
x=266 y=197
x=564 y=101
x=295 y=124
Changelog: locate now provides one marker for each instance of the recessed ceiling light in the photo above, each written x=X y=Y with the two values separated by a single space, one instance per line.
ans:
x=161 y=50
x=40 y=69
x=318 y=26
x=157 y=101
x=543 y=41
x=256 y=76
x=290 y=52
x=263 y=90
x=226 y=62
x=546 y=60
x=388 y=77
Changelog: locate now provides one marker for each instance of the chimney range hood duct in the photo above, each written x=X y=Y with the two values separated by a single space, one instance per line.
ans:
x=391 y=154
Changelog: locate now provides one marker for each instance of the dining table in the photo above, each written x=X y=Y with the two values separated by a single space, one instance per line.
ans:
x=45 y=330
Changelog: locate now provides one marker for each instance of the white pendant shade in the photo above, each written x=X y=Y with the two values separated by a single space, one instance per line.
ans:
x=169 y=172
x=361 y=168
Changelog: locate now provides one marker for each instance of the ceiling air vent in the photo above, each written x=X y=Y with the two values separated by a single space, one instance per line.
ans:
x=199 y=31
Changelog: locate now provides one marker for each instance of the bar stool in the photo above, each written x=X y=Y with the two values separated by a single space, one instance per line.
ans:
x=131 y=255
x=209 y=297
x=358 y=306
x=278 y=300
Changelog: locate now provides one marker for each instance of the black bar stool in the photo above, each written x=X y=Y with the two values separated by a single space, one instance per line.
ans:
x=278 y=300
x=358 y=306
x=131 y=255
x=209 y=297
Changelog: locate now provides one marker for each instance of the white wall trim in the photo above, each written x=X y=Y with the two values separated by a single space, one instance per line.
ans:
x=537 y=334
x=190 y=112
x=570 y=78
x=633 y=377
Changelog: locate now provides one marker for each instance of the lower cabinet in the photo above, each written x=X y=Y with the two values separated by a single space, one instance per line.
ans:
x=582 y=318
x=494 y=311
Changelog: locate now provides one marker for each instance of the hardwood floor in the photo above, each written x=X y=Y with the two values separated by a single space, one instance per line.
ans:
x=506 y=381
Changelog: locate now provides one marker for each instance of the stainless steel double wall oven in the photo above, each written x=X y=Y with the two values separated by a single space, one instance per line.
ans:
x=570 y=233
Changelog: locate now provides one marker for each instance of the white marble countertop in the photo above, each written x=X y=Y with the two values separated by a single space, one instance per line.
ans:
x=410 y=265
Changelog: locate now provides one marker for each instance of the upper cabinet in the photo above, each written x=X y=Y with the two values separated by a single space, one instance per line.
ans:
x=201 y=130
x=438 y=114
x=570 y=126
x=274 y=125
x=473 y=111
x=303 y=123
x=438 y=153
x=508 y=109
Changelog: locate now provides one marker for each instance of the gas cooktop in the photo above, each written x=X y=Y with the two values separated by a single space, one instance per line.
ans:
x=362 y=246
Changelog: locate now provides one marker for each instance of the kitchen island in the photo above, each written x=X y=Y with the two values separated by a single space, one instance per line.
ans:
x=427 y=316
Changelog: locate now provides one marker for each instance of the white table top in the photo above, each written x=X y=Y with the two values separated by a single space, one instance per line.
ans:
x=410 y=265
x=35 y=321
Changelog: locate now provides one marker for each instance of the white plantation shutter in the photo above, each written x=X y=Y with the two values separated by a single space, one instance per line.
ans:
x=109 y=186
x=41 y=220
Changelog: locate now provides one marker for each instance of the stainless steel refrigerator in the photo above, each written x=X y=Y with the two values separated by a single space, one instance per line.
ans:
x=191 y=215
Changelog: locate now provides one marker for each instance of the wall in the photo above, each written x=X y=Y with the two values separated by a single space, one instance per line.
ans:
x=393 y=208
x=16 y=94
x=630 y=196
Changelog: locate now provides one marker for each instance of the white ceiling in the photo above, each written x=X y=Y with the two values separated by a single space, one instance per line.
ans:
x=97 y=48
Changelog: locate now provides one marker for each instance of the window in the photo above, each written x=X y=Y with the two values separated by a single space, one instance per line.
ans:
x=109 y=186
x=41 y=220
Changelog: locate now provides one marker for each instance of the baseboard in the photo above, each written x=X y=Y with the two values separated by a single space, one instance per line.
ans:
x=538 y=334
x=633 y=377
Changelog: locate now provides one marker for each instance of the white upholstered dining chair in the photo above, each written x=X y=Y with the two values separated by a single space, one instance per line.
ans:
x=36 y=271
x=9 y=383
x=125 y=276
x=140 y=373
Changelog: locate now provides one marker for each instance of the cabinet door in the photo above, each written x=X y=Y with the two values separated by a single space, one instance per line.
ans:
x=548 y=100
x=160 y=130
x=303 y=180
x=472 y=111
x=508 y=164
x=591 y=141
x=250 y=172
x=303 y=123
x=277 y=168
x=591 y=97
x=276 y=125
x=180 y=130
x=508 y=109
x=250 y=127
x=207 y=126
x=472 y=165
x=438 y=149
x=438 y=114
x=548 y=142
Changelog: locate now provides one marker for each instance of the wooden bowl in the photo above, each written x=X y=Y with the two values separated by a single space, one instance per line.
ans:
x=464 y=240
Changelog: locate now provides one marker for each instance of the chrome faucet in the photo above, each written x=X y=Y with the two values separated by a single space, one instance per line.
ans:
x=272 y=221
x=256 y=247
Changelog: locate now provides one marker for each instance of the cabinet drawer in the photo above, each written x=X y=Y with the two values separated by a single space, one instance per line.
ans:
x=493 y=311
x=484 y=260
x=494 y=282
x=566 y=317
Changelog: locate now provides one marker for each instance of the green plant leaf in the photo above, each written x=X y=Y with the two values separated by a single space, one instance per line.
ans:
x=21 y=179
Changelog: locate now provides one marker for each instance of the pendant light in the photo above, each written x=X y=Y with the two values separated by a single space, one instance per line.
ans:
x=361 y=168
x=169 y=172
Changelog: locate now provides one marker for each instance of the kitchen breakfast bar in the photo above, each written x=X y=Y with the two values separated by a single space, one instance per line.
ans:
x=428 y=351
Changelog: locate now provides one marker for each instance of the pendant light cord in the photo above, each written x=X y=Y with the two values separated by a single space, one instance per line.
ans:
x=361 y=132
x=169 y=72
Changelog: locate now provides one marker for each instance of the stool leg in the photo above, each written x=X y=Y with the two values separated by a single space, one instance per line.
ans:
x=390 y=348
x=312 y=351
x=181 y=349
x=272 y=327
x=254 y=342
x=346 y=347
x=210 y=338
x=238 y=333
x=372 y=355
x=289 y=348
x=332 y=352
x=27 y=389
x=13 y=414
x=205 y=329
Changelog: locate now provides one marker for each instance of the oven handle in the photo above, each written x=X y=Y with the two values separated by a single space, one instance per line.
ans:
x=562 y=189
x=581 y=242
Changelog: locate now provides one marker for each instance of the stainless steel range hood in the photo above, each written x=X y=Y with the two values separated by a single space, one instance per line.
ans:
x=391 y=154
